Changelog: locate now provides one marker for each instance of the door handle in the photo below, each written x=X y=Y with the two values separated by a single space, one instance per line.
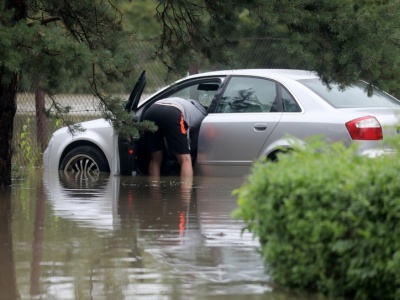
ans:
x=260 y=126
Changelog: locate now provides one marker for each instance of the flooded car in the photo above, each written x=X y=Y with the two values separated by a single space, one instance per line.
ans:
x=251 y=114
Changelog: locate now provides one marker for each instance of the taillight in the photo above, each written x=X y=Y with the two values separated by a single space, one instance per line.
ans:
x=365 y=128
x=130 y=151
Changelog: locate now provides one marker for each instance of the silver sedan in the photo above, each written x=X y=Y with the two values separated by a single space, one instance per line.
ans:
x=250 y=114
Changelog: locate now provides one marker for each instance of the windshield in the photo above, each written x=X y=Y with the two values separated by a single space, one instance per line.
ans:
x=352 y=96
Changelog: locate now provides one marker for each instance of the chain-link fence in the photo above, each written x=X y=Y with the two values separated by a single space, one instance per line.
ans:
x=32 y=129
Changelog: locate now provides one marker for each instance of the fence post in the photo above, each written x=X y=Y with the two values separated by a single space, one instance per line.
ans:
x=41 y=128
x=193 y=68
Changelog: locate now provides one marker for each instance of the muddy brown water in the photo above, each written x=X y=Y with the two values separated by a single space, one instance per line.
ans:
x=66 y=237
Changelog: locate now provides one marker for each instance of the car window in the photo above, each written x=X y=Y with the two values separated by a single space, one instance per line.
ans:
x=288 y=102
x=350 y=97
x=248 y=94
x=202 y=92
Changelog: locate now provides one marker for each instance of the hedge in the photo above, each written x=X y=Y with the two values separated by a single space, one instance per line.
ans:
x=327 y=220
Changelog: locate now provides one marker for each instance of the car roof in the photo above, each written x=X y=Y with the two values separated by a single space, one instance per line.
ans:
x=276 y=74
x=271 y=73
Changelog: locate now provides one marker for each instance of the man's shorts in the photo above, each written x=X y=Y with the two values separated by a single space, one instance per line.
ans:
x=171 y=126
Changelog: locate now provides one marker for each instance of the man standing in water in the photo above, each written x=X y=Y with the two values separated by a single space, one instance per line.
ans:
x=175 y=118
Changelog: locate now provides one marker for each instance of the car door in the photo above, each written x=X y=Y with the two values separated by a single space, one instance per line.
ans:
x=234 y=132
x=126 y=147
x=201 y=89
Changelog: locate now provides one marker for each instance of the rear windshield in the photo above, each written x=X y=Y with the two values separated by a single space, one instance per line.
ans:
x=351 y=97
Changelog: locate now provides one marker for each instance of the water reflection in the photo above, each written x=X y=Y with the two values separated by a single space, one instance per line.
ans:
x=89 y=201
x=8 y=286
x=37 y=242
x=167 y=238
x=129 y=238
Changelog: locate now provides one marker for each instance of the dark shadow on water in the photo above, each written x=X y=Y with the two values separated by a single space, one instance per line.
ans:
x=8 y=284
x=37 y=248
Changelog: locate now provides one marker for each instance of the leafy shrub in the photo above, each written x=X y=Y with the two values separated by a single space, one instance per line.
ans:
x=28 y=147
x=327 y=220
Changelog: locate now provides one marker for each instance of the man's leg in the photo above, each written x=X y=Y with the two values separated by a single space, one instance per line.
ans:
x=155 y=163
x=185 y=161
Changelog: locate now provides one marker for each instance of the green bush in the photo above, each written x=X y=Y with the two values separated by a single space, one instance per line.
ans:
x=327 y=220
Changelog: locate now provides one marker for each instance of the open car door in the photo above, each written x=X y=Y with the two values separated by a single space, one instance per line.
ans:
x=136 y=93
x=127 y=155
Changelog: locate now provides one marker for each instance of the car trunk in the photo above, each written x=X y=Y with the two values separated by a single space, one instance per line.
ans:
x=389 y=119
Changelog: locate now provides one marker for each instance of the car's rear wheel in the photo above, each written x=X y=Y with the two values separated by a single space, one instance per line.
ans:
x=85 y=160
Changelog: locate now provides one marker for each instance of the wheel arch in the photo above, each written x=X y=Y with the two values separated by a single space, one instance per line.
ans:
x=273 y=156
x=79 y=143
x=281 y=146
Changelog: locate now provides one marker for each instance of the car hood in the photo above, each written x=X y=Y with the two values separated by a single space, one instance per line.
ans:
x=97 y=123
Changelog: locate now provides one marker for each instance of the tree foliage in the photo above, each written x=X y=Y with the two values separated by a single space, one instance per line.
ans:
x=342 y=40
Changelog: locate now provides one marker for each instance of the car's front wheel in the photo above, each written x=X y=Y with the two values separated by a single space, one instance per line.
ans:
x=85 y=160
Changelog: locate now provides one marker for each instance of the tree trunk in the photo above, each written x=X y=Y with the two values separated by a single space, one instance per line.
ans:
x=8 y=99
x=41 y=130
x=8 y=108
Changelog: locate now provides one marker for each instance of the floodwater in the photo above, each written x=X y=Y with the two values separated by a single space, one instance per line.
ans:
x=66 y=237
